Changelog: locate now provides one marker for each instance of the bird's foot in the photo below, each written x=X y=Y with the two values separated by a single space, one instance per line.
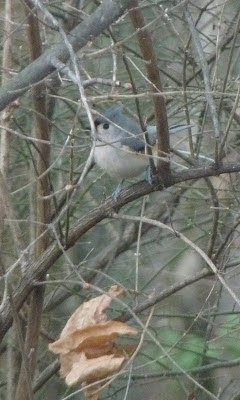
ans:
x=117 y=191
x=149 y=178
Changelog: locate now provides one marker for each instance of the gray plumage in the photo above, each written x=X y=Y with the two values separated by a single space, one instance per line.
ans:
x=120 y=144
x=130 y=133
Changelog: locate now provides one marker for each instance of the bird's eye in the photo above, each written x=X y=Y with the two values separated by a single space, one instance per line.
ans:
x=106 y=125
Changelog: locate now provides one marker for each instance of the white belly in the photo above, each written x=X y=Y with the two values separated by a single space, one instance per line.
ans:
x=119 y=162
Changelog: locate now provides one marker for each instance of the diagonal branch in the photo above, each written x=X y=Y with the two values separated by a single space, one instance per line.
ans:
x=108 y=12
x=35 y=270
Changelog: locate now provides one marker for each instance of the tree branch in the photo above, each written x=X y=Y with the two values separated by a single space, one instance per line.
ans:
x=35 y=270
x=147 y=49
x=91 y=27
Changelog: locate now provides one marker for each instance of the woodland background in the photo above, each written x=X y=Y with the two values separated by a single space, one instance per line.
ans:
x=63 y=240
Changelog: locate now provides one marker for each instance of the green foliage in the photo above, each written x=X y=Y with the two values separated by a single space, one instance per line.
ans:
x=178 y=351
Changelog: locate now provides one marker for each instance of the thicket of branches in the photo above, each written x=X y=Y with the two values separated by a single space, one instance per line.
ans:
x=173 y=246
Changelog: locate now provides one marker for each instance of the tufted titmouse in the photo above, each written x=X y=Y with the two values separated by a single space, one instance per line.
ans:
x=121 y=147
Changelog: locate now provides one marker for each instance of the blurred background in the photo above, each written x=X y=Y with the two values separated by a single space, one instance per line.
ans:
x=195 y=323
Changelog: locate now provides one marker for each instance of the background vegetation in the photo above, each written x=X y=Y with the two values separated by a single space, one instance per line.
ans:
x=173 y=248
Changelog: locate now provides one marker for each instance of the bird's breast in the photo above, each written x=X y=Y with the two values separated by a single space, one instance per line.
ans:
x=120 y=162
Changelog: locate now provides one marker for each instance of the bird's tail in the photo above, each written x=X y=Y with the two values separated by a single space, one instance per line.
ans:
x=179 y=128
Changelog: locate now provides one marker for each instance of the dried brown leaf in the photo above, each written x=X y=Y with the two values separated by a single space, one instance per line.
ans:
x=93 y=336
x=68 y=360
x=105 y=349
x=87 y=353
x=91 y=312
x=88 y=371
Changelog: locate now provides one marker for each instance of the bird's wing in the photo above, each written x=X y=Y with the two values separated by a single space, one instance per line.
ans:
x=136 y=142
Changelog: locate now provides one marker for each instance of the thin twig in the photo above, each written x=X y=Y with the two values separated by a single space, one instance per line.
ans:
x=205 y=71
x=186 y=240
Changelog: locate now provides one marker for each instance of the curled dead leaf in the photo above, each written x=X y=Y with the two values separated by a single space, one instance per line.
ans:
x=88 y=371
x=91 y=312
x=87 y=351
x=92 y=336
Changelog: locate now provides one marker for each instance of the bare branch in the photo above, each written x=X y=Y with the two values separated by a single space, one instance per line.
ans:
x=146 y=46
x=90 y=28
x=36 y=270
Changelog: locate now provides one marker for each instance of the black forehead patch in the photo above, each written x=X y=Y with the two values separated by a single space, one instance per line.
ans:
x=97 y=122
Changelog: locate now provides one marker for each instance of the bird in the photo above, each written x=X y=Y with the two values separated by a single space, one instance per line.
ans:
x=120 y=147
